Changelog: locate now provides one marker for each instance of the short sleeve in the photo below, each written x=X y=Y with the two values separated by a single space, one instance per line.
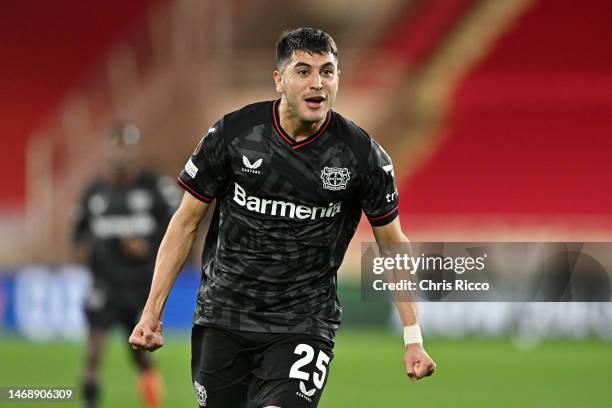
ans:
x=169 y=193
x=379 y=198
x=204 y=174
x=80 y=222
x=167 y=199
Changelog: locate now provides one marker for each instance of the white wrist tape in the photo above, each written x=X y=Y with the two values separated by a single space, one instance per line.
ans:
x=412 y=334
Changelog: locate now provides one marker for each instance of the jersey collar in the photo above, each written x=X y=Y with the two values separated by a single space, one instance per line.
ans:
x=287 y=138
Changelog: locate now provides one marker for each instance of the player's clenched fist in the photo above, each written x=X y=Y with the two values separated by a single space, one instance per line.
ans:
x=147 y=335
x=417 y=362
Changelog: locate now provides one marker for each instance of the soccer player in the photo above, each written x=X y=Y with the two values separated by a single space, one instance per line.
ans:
x=289 y=178
x=119 y=225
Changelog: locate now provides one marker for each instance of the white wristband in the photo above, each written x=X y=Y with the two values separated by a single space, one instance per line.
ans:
x=412 y=334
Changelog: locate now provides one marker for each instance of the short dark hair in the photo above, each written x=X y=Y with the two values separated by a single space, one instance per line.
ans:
x=311 y=40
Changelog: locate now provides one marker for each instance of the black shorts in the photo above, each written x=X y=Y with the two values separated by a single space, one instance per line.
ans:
x=234 y=369
x=105 y=309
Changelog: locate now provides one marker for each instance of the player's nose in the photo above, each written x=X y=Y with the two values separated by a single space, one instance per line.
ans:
x=317 y=82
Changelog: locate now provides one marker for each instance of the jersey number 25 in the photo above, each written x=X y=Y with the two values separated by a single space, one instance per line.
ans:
x=318 y=378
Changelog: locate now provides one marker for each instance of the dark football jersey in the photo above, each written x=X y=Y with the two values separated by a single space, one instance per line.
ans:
x=285 y=213
x=109 y=213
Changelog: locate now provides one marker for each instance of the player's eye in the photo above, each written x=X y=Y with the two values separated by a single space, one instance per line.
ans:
x=328 y=72
x=302 y=72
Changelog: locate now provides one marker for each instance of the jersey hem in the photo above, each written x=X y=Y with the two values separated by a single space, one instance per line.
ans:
x=194 y=193
x=385 y=218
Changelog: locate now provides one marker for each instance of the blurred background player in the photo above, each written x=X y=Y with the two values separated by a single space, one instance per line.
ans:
x=119 y=225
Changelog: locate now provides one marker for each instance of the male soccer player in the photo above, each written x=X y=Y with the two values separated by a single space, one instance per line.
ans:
x=290 y=179
x=120 y=222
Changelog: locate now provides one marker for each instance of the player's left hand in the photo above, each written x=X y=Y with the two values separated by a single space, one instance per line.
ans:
x=135 y=247
x=417 y=362
x=148 y=333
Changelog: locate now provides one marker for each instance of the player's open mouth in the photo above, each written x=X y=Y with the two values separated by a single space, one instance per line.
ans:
x=314 y=102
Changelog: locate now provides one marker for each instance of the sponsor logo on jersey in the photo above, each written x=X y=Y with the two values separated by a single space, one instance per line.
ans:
x=97 y=204
x=191 y=168
x=335 y=178
x=139 y=200
x=251 y=167
x=391 y=196
x=304 y=393
x=200 y=393
x=117 y=226
x=279 y=208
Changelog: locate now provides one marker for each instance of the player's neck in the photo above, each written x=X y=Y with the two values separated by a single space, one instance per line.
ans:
x=123 y=176
x=298 y=130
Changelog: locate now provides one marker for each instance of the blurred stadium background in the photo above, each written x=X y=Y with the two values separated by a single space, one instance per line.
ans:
x=497 y=114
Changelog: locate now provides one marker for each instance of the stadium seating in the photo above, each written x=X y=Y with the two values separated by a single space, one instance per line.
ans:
x=527 y=136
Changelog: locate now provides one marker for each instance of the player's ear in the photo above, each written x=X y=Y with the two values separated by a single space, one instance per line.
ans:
x=278 y=82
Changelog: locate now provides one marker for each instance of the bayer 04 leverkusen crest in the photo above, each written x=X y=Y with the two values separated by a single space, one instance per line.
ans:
x=335 y=178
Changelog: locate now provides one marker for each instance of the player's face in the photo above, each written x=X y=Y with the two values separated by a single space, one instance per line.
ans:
x=120 y=157
x=309 y=83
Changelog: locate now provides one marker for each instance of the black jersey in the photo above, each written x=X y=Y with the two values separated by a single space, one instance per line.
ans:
x=110 y=213
x=285 y=213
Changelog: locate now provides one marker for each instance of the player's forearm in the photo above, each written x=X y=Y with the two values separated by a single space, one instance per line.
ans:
x=408 y=313
x=405 y=303
x=172 y=255
x=391 y=242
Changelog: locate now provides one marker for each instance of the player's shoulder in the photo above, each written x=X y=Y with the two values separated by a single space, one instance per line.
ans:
x=247 y=117
x=152 y=180
x=96 y=184
x=354 y=136
x=161 y=186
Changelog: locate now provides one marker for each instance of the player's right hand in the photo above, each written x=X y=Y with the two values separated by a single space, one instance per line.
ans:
x=147 y=335
x=417 y=362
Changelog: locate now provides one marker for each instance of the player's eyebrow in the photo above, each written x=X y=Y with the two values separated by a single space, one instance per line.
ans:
x=304 y=64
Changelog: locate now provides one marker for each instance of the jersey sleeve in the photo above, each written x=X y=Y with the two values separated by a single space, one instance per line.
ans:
x=80 y=222
x=379 y=197
x=204 y=174
x=167 y=199
x=169 y=193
